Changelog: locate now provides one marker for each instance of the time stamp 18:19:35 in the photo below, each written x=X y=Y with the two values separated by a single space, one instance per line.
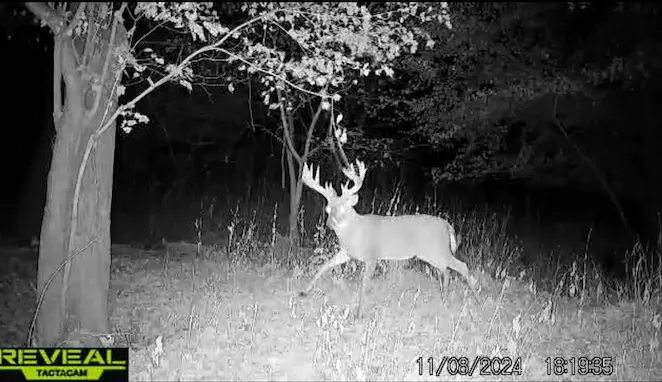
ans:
x=579 y=366
x=558 y=366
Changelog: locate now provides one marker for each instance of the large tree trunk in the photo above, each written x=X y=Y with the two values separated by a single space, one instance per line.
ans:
x=73 y=275
x=86 y=302
x=29 y=212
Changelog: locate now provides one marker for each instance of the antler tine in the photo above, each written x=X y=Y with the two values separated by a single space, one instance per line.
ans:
x=354 y=177
x=311 y=178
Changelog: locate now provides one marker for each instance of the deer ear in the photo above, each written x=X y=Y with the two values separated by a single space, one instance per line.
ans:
x=352 y=200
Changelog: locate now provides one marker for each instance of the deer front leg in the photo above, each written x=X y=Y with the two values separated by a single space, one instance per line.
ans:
x=369 y=270
x=340 y=258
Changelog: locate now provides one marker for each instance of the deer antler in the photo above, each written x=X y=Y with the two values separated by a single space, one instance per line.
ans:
x=357 y=179
x=311 y=178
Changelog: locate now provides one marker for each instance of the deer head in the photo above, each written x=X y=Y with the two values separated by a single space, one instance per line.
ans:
x=339 y=208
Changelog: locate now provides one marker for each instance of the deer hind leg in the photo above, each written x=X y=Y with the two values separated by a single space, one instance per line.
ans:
x=367 y=273
x=339 y=258
x=461 y=268
x=442 y=276
x=442 y=273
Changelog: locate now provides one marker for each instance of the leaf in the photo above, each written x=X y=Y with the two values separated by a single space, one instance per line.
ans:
x=197 y=30
x=186 y=84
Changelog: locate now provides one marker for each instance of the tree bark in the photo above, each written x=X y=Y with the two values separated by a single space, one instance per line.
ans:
x=73 y=275
x=294 y=201
x=29 y=212
x=86 y=300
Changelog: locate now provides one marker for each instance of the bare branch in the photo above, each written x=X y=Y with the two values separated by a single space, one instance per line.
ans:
x=274 y=136
x=143 y=37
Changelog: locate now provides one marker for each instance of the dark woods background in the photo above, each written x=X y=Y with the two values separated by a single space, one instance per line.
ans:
x=544 y=111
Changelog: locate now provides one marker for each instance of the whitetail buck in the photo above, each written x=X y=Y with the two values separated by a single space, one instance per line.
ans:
x=370 y=238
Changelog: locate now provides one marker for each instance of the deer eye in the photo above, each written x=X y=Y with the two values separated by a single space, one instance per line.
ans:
x=328 y=209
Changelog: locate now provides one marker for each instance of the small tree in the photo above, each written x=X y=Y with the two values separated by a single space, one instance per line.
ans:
x=319 y=50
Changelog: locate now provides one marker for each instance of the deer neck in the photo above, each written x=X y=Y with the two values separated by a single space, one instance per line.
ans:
x=341 y=227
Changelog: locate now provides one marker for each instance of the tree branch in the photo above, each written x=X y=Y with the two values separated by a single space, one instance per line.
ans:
x=79 y=12
x=286 y=131
x=117 y=16
x=267 y=72
x=311 y=127
x=109 y=122
x=91 y=32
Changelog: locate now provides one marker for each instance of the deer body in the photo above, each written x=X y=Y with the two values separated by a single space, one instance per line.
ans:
x=395 y=237
x=370 y=238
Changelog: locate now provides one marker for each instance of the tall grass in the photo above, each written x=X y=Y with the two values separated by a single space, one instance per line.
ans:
x=530 y=298
x=255 y=232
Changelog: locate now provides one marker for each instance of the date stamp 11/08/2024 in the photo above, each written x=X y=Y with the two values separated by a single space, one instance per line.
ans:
x=484 y=366
x=480 y=365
